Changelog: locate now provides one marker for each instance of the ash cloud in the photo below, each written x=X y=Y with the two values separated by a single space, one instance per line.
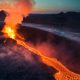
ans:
x=16 y=10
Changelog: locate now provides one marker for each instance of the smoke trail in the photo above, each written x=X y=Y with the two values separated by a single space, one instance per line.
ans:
x=16 y=10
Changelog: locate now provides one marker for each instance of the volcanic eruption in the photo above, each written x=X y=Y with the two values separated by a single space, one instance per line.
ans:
x=15 y=11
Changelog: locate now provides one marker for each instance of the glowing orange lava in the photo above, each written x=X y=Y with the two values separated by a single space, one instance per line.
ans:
x=62 y=74
x=9 y=32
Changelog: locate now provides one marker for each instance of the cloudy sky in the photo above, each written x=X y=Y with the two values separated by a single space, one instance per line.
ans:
x=53 y=6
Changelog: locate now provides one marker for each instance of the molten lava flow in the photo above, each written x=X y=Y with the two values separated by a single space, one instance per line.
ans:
x=62 y=74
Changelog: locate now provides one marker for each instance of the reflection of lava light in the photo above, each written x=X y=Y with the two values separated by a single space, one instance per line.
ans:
x=9 y=31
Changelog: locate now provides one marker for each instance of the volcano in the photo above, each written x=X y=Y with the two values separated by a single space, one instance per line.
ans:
x=21 y=61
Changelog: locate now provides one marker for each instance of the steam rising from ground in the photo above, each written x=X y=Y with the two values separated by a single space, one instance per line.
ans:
x=16 y=10
x=18 y=63
x=16 y=50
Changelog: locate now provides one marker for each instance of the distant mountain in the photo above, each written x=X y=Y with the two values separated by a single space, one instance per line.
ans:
x=64 y=20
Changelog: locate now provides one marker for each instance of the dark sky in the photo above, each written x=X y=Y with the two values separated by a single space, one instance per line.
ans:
x=53 y=6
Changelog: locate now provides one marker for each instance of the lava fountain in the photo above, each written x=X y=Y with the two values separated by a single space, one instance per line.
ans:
x=14 y=17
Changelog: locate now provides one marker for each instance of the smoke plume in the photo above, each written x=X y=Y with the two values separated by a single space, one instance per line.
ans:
x=16 y=10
